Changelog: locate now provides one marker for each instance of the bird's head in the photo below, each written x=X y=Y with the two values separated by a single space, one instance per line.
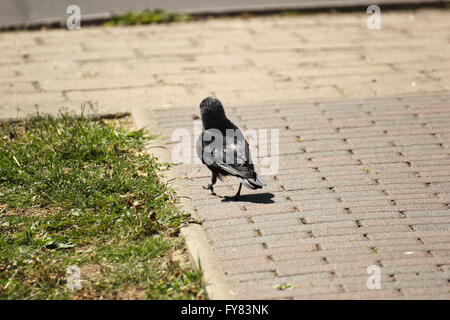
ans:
x=212 y=112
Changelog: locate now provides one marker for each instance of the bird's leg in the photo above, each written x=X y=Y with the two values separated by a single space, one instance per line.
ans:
x=238 y=193
x=211 y=185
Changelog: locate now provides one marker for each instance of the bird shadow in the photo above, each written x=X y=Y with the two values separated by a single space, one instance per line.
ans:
x=253 y=198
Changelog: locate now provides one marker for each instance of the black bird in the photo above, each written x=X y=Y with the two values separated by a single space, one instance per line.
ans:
x=223 y=149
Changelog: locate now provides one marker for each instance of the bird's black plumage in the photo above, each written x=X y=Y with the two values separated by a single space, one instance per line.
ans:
x=223 y=149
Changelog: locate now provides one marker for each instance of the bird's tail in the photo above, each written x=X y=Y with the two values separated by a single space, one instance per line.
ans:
x=253 y=183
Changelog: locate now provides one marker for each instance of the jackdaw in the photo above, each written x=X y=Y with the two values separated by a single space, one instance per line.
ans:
x=223 y=149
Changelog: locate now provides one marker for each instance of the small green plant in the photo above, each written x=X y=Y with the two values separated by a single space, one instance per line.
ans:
x=289 y=13
x=284 y=286
x=368 y=170
x=148 y=17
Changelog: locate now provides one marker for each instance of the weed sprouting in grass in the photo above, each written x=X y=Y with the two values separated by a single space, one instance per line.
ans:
x=79 y=192
x=148 y=17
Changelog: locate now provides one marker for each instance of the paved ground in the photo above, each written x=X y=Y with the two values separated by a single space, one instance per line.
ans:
x=380 y=153
x=242 y=61
x=361 y=183
x=20 y=12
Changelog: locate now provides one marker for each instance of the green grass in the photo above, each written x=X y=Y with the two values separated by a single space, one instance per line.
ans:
x=148 y=17
x=84 y=193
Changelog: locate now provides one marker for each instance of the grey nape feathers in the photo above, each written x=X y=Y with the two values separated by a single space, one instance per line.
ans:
x=223 y=149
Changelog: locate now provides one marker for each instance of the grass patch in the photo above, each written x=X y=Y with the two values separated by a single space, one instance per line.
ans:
x=148 y=17
x=76 y=192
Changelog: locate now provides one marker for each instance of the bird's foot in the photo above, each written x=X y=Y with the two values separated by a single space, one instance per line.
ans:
x=209 y=187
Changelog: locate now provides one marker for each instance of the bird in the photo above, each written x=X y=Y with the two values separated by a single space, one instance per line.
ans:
x=223 y=148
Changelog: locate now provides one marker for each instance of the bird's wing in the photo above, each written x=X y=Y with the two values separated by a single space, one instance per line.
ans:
x=236 y=155
x=205 y=148
x=231 y=154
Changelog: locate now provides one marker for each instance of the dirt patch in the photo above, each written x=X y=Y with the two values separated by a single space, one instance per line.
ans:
x=29 y=212
x=119 y=120
x=132 y=294
x=181 y=256
x=126 y=294
x=90 y=272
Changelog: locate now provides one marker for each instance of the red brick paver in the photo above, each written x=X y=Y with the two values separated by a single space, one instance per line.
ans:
x=361 y=182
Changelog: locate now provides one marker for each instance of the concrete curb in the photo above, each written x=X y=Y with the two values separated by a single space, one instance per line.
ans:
x=200 y=249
